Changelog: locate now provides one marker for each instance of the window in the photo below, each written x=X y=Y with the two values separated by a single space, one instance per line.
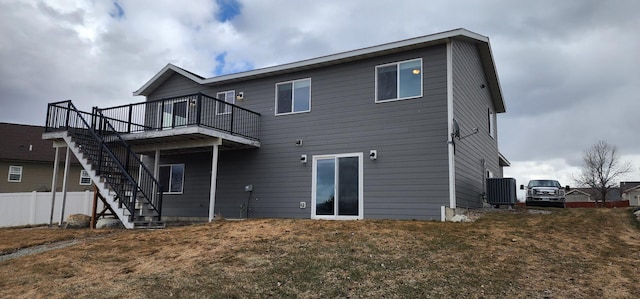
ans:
x=85 y=179
x=225 y=97
x=15 y=174
x=172 y=178
x=293 y=97
x=491 y=122
x=173 y=113
x=399 y=81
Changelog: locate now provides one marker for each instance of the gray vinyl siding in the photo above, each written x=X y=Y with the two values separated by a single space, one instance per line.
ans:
x=478 y=152
x=409 y=180
x=194 y=201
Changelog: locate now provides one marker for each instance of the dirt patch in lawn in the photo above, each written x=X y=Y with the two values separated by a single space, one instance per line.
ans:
x=578 y=253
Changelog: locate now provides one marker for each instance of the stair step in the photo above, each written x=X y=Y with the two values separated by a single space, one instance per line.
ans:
x=149 y=224
x=112 y=181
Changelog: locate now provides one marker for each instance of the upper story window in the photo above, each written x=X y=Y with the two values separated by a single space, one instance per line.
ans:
x=85 y=179
x=15 y=174
x=399 y=80
x=293 y=97
x=491 y=120
x=225 y=97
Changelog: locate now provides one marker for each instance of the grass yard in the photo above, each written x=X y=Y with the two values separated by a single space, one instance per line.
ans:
x=573 y=253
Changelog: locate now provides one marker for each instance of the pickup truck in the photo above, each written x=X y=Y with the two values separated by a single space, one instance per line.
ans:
x=545 y=192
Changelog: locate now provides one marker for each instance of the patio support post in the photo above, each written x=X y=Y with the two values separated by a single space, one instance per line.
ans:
x=53 y=184
x=214 y=174
x=156 y=173
x=64 y=186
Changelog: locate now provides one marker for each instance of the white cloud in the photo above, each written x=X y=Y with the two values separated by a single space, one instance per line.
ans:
x=569 y=74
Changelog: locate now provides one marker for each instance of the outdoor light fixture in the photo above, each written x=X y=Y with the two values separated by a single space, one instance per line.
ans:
x=303 y=159
x=373 y=154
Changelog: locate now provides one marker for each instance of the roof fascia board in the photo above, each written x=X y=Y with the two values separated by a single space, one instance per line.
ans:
x=437 y=38
x=433 y=38
x=162 y=75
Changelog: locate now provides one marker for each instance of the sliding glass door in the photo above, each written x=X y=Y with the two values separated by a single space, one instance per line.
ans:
x=173 y=114
x=337 y=186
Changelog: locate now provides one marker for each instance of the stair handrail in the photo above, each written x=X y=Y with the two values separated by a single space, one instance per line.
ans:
x=131 y=204
x=131 y=154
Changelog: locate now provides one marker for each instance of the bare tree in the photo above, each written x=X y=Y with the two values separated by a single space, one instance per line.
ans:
x=602 y=169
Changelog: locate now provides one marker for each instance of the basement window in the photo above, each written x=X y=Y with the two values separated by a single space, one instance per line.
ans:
x=85 y=179
x=172 y=178
x=15 y=174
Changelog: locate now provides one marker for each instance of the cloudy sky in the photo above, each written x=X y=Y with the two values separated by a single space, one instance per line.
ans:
x=569 y=70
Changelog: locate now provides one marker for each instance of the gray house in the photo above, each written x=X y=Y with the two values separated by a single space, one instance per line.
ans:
x=404 y=130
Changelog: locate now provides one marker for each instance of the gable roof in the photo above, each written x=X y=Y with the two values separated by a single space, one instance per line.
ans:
x=629 y=186
x=612 y=195
x=578 y=191
x=482 y=42
x=502 y=160
x=631 y=189
x=25 y=143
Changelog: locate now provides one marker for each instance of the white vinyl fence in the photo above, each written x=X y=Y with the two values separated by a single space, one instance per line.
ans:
x=32 y=208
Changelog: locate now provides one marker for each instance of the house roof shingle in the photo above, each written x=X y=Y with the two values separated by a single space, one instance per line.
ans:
x=25 y=143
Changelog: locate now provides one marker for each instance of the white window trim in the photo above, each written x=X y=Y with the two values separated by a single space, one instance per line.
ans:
x=292 y=97
x=15 y=170
x=171 y=173
x=360 y=187
x=226 y=100
x=397 y=64
x=84 y=175
x=161 y=118
x=492 y=122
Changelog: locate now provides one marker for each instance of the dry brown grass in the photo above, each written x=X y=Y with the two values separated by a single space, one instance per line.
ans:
x=579 y=253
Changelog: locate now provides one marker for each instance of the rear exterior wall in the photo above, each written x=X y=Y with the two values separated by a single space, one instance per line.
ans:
x=409 y=180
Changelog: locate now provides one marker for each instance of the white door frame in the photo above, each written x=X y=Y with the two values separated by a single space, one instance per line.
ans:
x=360 y=187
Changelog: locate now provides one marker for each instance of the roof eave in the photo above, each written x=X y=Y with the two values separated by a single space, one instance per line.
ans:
x=502 y=160
x=162 y=76
x=378 y=50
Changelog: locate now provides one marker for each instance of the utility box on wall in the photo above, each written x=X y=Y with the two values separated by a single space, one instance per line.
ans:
x=501 y=191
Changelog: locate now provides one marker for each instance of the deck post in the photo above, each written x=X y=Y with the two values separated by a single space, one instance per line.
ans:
x=53 y=184
x=214 y=174
x=94 y=208
x=156 y=173
x=64 y=186
x=129 y=120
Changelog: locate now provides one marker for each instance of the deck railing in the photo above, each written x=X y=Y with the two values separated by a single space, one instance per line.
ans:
x=189 y=110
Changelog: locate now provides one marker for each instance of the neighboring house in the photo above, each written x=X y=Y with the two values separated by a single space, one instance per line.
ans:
x=631 y=192
x=578 y=195
x=26 y=162
x=404 y=130
x=591 y=195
